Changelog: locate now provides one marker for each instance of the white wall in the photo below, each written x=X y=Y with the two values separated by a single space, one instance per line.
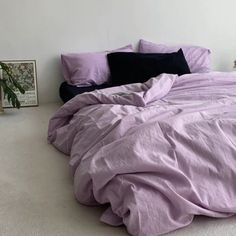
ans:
x=42 y=29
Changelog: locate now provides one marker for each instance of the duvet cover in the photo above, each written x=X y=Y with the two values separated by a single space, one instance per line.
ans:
x=156 y=153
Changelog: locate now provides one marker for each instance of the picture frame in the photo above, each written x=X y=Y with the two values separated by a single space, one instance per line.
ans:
x=25 y=72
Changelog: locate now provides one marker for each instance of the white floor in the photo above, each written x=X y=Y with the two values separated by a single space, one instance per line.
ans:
x=36 y=193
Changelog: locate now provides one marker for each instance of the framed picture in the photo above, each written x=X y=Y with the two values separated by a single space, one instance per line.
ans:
x=25 y=73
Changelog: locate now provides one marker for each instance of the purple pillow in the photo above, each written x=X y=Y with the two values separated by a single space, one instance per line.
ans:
x=198 y=58
x=86 y=69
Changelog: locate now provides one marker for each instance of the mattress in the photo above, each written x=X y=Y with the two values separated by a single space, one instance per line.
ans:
x=67 y=91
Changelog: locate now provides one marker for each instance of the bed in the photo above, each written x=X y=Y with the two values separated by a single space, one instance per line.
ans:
x=158 y=153
x=159 y=146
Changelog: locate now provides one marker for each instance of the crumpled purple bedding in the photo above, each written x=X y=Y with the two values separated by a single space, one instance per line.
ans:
x=159 y=153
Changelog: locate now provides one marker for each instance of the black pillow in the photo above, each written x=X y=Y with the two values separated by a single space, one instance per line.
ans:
x=129 y=67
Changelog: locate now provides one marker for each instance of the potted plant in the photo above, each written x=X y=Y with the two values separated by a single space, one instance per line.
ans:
x=9 y=85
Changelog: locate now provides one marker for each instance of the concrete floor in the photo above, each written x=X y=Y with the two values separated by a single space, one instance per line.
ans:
x=36 y=192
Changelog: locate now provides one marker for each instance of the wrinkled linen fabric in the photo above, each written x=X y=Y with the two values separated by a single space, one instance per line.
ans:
x=198 y=58
x=158 y=153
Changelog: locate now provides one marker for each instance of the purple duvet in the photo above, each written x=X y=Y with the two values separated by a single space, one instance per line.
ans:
x=158 y=153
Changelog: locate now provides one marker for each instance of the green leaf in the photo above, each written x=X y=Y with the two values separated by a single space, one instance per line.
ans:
x=5 y=83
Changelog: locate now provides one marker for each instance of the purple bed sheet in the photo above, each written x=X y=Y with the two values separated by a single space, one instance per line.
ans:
x=158 y=153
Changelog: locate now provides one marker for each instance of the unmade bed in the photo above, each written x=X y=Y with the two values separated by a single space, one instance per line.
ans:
x=158 y=153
